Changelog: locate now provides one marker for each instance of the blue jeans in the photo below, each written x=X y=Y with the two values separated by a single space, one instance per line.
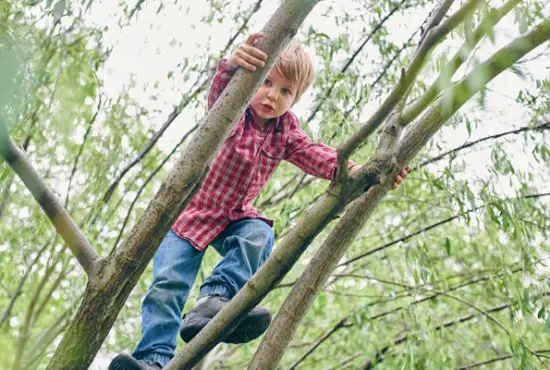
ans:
x=244 y=245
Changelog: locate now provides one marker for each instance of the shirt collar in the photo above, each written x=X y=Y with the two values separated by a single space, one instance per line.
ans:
x=275 y=122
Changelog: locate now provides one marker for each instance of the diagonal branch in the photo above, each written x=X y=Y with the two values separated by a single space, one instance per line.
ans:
x=7 y=183
x=353 y=57
x=461 y=92
x=540 y=127
x=497 y=359
x=50 y=204
x=433 y=37
x=121 y=271
x=487 y=23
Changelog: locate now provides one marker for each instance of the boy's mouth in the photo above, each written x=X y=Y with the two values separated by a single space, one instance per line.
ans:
x=267 y=107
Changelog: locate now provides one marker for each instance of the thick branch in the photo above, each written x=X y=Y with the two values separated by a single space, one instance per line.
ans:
x=121 y=272
x=58 y=215
x=433 y=37
x=177 y=109
x=460 y=93
x=283 y=328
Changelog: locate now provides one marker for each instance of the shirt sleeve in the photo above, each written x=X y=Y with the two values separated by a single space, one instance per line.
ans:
x=224 y=73
x=316 y=159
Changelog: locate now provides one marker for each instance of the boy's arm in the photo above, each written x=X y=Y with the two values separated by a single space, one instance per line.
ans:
x=316 y=159
x=224 y=73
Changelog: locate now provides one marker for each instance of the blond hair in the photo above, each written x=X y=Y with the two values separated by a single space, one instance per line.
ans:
x=295 y=64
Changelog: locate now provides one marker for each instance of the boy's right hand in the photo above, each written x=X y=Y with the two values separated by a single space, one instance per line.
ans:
x=248 y=56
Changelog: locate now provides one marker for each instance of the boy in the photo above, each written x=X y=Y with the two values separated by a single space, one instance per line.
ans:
x=221 y=215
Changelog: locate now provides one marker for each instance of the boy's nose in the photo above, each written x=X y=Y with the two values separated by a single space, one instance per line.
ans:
x=272 y=94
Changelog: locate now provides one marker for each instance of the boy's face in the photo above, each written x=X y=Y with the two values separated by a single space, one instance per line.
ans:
x=274 y=98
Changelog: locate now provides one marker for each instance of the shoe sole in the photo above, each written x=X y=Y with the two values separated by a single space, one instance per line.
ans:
x=192 y=327
x=249 y=329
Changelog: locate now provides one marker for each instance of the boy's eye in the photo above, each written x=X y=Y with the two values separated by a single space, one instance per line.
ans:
x=286 y=91
x=267 y=82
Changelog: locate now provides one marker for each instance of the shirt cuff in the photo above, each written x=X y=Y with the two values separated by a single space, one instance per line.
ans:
x=335 y=169
x=225 y=67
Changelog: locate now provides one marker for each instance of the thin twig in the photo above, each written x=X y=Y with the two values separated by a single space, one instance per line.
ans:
x=151 y=176
x=81 y=148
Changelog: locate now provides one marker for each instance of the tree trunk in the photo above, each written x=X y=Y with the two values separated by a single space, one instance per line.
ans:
x=119 y=274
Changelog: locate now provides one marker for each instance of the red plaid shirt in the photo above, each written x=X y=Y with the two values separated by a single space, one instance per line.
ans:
x=243 y=166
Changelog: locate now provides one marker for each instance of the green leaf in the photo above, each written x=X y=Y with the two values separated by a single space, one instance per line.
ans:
x=58 y=10
x=448 y=246
x=518 y=72
x=4 y=174
x=469 y=127
x=526 y=297
x=541 y=312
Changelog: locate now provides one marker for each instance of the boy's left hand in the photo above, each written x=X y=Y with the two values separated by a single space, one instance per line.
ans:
x=398 y=179
x=247 y=55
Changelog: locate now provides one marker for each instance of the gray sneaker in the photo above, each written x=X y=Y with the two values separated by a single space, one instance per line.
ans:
x=254 y=324
x=127 y=362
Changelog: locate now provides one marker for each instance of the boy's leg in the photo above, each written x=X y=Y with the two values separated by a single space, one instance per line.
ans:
x=175 y=267
x=245 y=245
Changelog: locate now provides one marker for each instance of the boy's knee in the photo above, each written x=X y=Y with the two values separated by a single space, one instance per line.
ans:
x=260 y=233
x=165 y=291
